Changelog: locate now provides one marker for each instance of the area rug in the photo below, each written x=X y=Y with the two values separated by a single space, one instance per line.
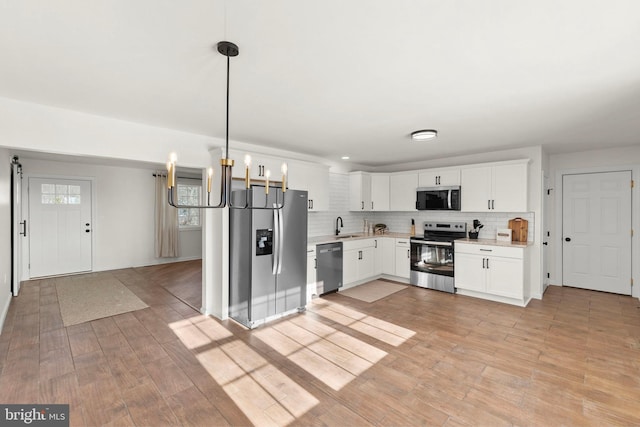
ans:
x=90 y=297
x=373 y=291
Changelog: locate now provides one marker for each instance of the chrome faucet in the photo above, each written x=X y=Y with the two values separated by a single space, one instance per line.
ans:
x=341 y=225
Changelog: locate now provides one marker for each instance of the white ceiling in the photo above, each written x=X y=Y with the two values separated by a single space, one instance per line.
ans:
x=332 y=78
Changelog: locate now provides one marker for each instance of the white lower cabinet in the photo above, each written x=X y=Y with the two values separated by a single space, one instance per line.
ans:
x=358 y=260
x=402 y=258
x=378 y=257
x=311 y=272
x=388 y=255
x=493 y=272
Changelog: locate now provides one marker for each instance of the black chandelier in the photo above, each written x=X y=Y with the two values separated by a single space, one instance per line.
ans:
x=227 y=49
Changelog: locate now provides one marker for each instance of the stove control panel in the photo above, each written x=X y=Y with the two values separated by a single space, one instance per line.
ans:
x=445 y=226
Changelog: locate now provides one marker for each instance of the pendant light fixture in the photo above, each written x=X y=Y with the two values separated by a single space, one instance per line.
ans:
x=229 y=50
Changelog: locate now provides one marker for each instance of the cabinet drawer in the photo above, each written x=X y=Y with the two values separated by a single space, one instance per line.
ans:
x=358 y=244
x=402 y=242
x=489 y=250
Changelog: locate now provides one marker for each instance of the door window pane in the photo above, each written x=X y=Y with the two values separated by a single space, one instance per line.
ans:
x=60 y=194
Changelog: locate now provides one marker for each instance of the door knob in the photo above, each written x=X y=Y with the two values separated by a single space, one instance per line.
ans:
x=545 y=243
x=567 y=239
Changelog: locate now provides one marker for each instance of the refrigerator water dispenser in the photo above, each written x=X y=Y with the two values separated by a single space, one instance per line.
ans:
x=264 y=241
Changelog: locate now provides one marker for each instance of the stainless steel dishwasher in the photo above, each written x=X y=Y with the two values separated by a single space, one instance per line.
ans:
x=329 y=272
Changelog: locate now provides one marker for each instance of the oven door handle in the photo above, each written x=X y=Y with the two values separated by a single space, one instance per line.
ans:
x=426 y=242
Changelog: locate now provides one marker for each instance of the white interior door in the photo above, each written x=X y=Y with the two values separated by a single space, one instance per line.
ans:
x=596 y=231
x=18 y=227
x=59 y=226
x=546 y=240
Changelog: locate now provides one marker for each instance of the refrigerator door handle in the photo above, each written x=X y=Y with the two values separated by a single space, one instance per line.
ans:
x=280 y=239
x=276 y=242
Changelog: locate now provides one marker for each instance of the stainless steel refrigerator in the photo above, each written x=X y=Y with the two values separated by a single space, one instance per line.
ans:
x=267 y=256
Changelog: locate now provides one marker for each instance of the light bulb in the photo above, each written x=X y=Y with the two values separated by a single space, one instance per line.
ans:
x=284 y=168
x=247 y=160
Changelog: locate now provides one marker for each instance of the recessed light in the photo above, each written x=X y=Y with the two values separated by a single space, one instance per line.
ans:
x=421 y=135
x=345 y=157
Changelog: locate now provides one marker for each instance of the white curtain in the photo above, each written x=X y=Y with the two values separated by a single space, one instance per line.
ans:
x=166 y=221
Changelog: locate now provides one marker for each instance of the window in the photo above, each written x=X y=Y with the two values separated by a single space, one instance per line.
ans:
x=189 y=194
x=60 y=194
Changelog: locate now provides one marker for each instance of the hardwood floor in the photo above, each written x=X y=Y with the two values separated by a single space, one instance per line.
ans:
x=417 y=357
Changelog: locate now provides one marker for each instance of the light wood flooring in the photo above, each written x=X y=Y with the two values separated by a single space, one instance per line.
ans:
x=417 y=357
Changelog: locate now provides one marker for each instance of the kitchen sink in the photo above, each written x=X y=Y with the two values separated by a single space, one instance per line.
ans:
x=347 y=236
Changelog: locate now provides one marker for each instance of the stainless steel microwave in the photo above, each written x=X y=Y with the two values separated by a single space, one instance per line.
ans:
x=438 y=198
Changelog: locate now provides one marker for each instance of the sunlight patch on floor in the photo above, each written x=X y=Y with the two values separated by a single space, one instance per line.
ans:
x=376 y=328
x=262 y=392
x=199 y=331
x=331 y=356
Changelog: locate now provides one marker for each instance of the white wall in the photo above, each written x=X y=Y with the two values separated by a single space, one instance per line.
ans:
x=5 y=234
x=594 y=160
x=45 y=129
x=123 y=224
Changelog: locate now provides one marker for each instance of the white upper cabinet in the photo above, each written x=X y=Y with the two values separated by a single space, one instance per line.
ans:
x=439 y=177
x=260 y=164
x=495 y=188
x=402 y=191
x=510 y=188
x=359 y=191
x=379 y=192
x=315 y=179
x=301 y=175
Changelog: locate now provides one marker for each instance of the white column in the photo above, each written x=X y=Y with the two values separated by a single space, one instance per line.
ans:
x=215 y=251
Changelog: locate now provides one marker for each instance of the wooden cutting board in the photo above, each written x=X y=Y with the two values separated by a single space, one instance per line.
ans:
x=520 y=229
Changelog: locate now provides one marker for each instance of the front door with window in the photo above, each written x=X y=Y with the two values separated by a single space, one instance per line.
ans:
x=60 y=226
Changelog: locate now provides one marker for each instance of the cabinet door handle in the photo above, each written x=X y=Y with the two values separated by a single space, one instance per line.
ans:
x=489 y=204
x=408 y=253
x=487 y=263
x=493 y=204
x=486 y=250
x=311 y=203
x=375 y=243
x=483 y=259
x=371 y=205
x=359 y=254
x=316 y=263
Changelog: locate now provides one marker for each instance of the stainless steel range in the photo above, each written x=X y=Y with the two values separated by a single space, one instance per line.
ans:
x=432 y=255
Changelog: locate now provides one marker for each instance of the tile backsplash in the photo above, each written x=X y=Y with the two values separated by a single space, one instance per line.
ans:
x=324 y=223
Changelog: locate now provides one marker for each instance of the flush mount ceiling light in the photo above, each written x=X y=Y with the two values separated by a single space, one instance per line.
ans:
x=421 y=135
x=345 y=157
x=229 y=50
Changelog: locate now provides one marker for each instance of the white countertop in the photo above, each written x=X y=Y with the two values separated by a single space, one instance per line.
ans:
x=318 y=240
x=493 y=242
